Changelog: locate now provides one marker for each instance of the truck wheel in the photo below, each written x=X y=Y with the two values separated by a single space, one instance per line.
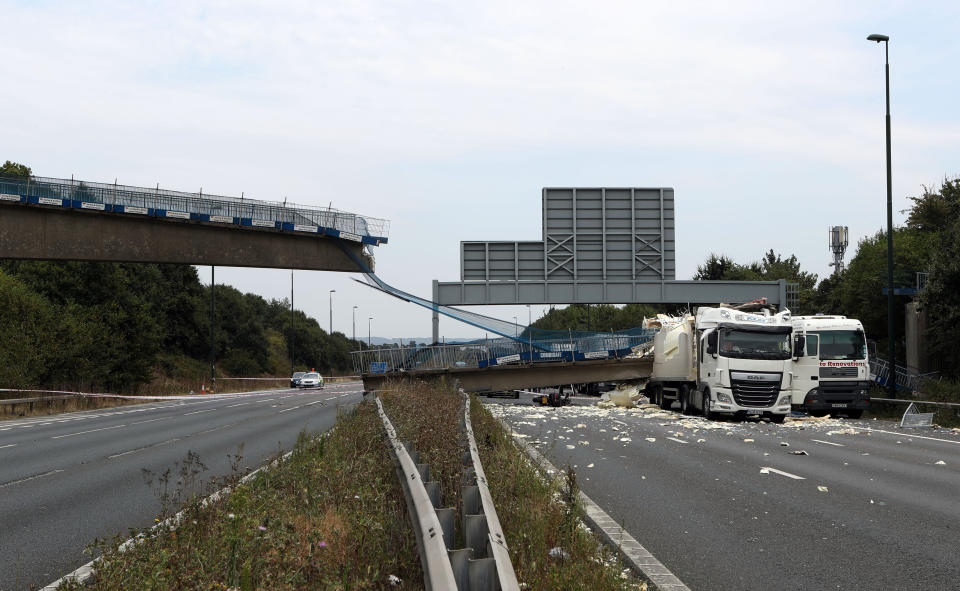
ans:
x=778 y=419
x=686 y=407
x=664 y=402
x=707 y=413
x=855 y=414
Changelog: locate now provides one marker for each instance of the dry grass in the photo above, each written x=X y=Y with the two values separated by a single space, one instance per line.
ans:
x=331 y=517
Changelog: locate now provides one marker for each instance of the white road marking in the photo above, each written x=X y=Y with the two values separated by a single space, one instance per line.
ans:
x=142 y=448
x=9 y=445
x=677 y=440
x=50 y=473
x=829 y=443
x=90 y=431
x=216 y=429
x=301 y=406
x=766 y=469
x=199 y=411
x=907 y=435
x=150 y=420
x=240 y=404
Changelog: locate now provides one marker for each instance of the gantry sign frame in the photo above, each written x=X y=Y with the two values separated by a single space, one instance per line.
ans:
x=601 y=245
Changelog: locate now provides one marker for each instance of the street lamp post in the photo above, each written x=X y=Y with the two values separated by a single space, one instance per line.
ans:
x=369 y=323
x=293 y=362
x=355 y=322
x=332 y=291
x=892 y=378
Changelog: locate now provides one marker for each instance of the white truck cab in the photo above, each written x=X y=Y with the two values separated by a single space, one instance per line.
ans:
x=725 y=361
x=830 y=366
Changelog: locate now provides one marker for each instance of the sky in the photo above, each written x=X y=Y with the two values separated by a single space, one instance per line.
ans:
x=447 y=118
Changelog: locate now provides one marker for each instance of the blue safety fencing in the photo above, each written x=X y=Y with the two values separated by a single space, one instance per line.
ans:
x=577 y=346
x=217 y=209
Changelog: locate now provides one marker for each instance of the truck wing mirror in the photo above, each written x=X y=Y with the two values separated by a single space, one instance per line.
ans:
x=799 y=344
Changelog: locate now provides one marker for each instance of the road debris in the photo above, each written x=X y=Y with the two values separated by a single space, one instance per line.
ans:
x=748 y=440
x=799 y=452
x=940 y=463
x=822 y=488
x=784 y=444
x=651 y=439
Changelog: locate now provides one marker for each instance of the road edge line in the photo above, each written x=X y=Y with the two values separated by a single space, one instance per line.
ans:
x=612 y=533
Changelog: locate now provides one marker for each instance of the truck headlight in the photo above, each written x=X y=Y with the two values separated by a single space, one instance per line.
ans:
x=785 y=399
x=721 y=397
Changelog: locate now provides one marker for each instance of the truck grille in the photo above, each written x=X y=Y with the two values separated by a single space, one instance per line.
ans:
x=838 y=391
x=838 y=372
x=754 y=392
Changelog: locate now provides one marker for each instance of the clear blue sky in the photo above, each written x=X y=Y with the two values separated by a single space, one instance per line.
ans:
x=448 y=118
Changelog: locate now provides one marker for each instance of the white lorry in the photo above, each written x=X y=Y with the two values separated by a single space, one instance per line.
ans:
x=724 y=361
x=830 y=366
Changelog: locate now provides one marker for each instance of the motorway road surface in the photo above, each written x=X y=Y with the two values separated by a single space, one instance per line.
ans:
x=726 y=505
x=67 y=479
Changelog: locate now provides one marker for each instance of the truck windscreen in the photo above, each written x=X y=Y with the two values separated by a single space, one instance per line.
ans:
x=744 y=344
x=842 y=344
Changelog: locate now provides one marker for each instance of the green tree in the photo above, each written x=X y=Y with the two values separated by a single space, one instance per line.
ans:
x=941 y=301
x=771 y=267
x=934 y=211
x=15 y=170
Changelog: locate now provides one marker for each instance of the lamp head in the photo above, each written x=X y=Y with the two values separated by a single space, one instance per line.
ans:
x=878 y=38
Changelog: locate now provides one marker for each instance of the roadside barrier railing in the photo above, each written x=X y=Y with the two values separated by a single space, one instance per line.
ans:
x=905 y=379
x=485 y=563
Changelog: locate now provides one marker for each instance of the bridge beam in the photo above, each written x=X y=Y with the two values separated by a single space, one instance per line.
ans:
x=31 y=232
x=512 y=377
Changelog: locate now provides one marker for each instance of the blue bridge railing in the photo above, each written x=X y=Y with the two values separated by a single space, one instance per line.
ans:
x=494 y=352
x=164 y=203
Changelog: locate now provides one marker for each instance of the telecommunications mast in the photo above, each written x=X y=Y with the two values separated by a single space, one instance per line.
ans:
x=839 y=238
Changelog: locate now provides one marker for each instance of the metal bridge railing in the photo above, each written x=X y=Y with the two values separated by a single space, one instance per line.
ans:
x=195 y=203
x=498 y=352
x=880 y=373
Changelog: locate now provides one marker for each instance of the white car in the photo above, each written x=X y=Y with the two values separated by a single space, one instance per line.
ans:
x=311 y=380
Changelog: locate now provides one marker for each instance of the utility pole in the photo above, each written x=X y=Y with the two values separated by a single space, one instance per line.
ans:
x=293 y=362
x=332 y=291
x=213 y=368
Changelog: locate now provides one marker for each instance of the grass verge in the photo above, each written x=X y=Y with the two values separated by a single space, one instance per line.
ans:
x=333 y=515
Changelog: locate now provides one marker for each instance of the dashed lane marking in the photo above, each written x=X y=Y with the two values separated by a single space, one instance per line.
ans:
x=84 y=432
x=124 y=453
x=9 y=445
x=829 y=443
x=150 y=420
x=196 y=412
x=677 y=440
x=767 y=469
x=50 y=473
x=241 y=404
x=301 y=406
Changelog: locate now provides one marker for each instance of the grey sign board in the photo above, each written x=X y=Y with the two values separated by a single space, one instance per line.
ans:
x=592 y=234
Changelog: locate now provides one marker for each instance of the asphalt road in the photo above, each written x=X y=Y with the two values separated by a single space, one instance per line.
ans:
x=725 y=505
x=68 y=479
